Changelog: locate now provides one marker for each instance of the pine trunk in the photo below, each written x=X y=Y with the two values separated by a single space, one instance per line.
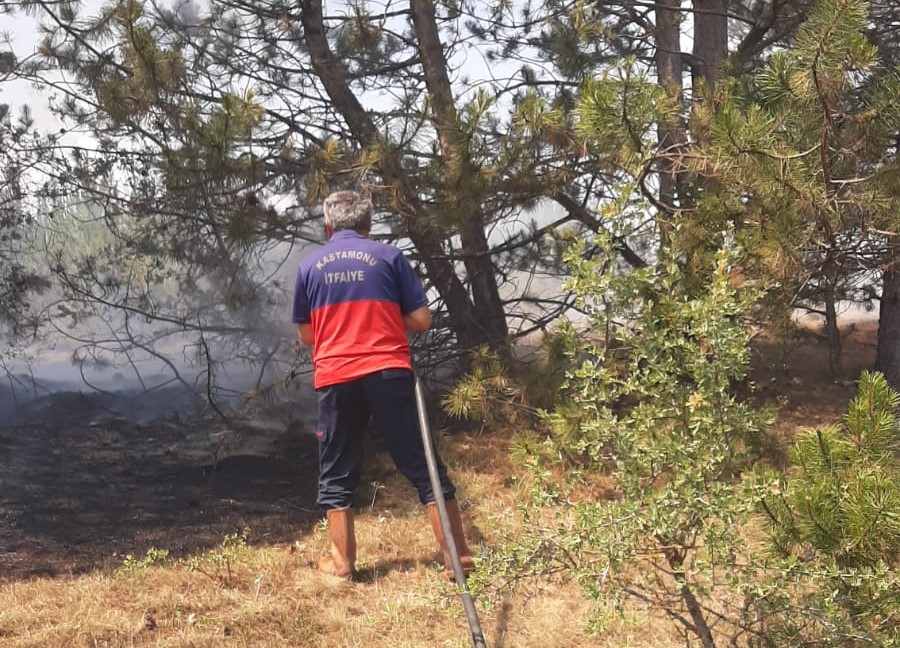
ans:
x=887 y=357
x=710 y=41
x=832 y=333
x=491 y=317
x=459 y=171
x=672 y=136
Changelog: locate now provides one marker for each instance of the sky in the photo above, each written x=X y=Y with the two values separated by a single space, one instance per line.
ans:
x=20 y=33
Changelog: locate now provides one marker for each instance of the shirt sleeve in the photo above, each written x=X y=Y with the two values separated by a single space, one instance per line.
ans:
x=412 y=295
x=301 y=300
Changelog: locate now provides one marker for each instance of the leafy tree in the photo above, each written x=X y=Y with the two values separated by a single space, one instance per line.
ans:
x=666 y=343
x=682 y=179
x=155 y=244
x=368 y=97
x=19 y=150
x=649 y=403
x=214 y=130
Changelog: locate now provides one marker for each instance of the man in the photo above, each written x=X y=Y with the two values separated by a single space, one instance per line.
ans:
x=354 y=301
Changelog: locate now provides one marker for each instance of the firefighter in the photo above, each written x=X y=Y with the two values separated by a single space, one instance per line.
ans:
x=355 y=299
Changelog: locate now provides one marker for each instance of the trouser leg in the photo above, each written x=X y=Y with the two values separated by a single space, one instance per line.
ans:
x=391 y=398
x=343 y=414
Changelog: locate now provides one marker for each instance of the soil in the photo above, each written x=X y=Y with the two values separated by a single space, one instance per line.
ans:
x=78 y=492
x=793 y=376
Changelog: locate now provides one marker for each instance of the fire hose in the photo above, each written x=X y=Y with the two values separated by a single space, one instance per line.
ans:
x=458 y=573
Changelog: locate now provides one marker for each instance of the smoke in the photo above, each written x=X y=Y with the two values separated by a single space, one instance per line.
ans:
x=182 y=341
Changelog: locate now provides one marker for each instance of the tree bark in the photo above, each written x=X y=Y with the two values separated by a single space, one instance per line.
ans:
x=669 y=62
x=676 y=558
x=832 y=332
x=580 y=213
x=887 y=355
x=701 y=627
x=710 y=41
x=459 y=171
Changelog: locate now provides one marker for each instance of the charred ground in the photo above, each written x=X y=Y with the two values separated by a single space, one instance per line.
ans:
x=80 y=487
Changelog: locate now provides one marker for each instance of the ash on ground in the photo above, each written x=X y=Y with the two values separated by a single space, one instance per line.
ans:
x=87 y=477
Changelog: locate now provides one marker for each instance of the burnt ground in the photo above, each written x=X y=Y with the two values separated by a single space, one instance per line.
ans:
x=81 y=487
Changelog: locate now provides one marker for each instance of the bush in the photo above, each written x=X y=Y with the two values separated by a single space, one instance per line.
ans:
x=651 y=412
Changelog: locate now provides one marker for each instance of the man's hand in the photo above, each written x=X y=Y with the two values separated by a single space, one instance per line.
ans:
x=419 y=320
x=305 y=333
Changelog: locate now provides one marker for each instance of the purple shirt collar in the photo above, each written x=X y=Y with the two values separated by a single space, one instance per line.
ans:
x=347 y=234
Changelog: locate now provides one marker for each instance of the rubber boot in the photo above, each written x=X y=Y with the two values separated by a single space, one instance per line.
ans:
x=459 y=538
x=343 y=544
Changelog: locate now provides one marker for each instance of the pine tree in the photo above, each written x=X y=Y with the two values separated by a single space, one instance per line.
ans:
x=805 y=156
x=837 y=528
x=20 y=150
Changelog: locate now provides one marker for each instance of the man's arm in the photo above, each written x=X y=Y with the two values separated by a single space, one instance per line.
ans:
x=301 y=309
x=305 y=333
x=413 y=302
x=418 y=320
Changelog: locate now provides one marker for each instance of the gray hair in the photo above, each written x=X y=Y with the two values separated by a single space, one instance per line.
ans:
x=347 y=210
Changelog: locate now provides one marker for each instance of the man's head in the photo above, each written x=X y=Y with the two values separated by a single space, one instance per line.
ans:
x=347 y=210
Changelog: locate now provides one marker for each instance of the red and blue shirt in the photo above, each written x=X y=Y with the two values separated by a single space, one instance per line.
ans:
x=354 y=292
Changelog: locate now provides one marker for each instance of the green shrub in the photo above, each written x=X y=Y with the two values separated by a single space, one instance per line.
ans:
x=222 y=564
x=651 y=410
x=131 y=564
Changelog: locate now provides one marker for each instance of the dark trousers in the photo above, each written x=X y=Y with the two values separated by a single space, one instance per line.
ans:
x=344 y=410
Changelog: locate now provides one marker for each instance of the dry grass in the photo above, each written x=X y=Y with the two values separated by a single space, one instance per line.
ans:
x=271 y=596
